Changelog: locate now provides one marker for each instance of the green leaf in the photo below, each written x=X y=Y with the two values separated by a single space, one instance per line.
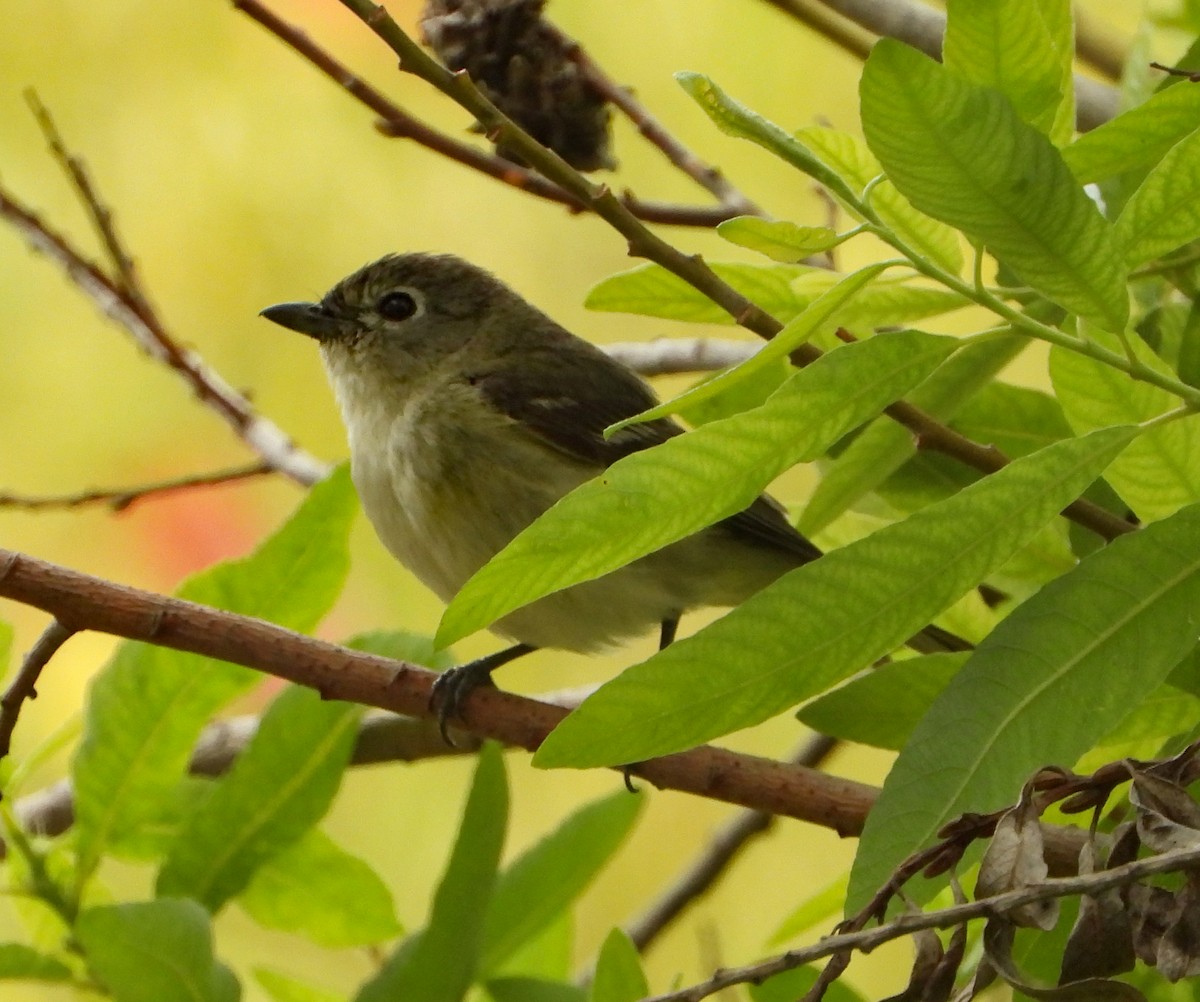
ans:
x=154 y=950
x=737 y=120
x=960 y=153
x=820 y=623
x=650 y=290
x=780 y=241
x=883 y=706
x=19 y=962
x=318 y=890
x=823 y=906
x=146 y=708
x=1164 y=212
x=283 y=988
x=549 y=876
x=1016 y=420
x=693 y=480
x=885 y=445
x=1014 y=706
x=1137 y=139
x=1160 y=472
x=849 y=156
x=279 y=787
x=619 y=976
x=533 y=990
x=1024 y=50
x=438 y=964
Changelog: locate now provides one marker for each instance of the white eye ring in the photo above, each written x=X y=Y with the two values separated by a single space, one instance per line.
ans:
x=398 y=305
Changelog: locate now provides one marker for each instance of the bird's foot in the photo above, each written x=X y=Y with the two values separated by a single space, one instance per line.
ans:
x=453 y=686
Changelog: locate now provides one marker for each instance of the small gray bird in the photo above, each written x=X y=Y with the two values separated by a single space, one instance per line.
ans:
x=470 y=412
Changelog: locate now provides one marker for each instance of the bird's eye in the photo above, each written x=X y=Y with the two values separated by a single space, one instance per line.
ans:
x=397 y=306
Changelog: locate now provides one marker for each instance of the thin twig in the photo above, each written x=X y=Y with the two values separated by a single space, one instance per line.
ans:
x=144 y=325
x=930 y=433
x=708 y=177
x=121 y=498
x=865 y=940
x=666 y=356
x=24 y=685
x=844 y=34
x=395 y=122
x=721 y=851
x=98 y=212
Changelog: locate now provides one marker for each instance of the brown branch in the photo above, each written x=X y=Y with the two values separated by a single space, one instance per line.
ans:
x=721 y=851
x=24 y=685
x=1098 y=45
x=144 y=325
x=83 y=602
x=844 y=34
x=121 y=498
x=395 y=122
x=923 y=27
x=865 y=940
x=691 y=268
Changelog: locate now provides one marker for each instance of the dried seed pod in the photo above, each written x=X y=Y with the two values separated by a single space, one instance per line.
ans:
x=524 y=66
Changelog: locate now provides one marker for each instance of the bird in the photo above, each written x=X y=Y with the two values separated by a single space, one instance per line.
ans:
x=469 y=412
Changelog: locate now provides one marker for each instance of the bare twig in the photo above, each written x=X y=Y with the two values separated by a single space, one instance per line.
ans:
x=923 y=27
x=865 y=940
x=709 y=178
x=259 y=433
x=666 y=356
x=846 y=35
x=717 y=856
x=394 y=121
x=24 y=685
x=1098 y=45
x=121 y=498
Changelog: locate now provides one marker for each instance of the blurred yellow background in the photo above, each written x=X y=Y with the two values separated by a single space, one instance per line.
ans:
x=240 y=177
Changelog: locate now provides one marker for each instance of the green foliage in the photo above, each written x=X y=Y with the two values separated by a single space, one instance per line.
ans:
x=841 y=612
x=155 y=950
x=1002 y=716
x=1087 y=649
x=147 y=707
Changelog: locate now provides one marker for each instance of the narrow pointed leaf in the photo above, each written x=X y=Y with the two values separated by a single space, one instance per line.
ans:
x=280 y=786
x=154 y=950
x=438 y=964
x=820 y=623
x=884 y=446
x=546 y=879
x=737 y=120
x=619 y=976
x=1136 y=139
x=316 y=889
x=147 y=707
x=693 y=480
x=960 y=153
x=1159 y=473
x=1164 y=213
x=1102 y=636
x=778 y=240
x=823 y=308
x=1024 y=50
x=650 y=290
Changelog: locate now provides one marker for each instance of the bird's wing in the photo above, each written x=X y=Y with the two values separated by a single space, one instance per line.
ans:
x=569 y=409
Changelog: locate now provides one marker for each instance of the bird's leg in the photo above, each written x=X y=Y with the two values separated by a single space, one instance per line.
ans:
x=452 y=686
x=666 y=637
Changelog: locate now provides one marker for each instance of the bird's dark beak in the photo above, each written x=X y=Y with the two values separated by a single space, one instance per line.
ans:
x=306 y=318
